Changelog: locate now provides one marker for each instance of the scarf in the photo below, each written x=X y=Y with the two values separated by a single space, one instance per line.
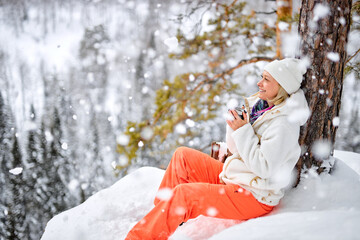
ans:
x=258 y=109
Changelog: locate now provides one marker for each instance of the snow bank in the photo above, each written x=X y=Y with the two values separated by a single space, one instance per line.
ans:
x=350 y=158
x=109 y=213
x=331 y=224
x=325 y=207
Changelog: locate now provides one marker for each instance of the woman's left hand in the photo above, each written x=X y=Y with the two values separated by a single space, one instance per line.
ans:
x=237 y=122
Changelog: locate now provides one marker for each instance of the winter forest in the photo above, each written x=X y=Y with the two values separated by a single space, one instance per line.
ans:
x=91 y=90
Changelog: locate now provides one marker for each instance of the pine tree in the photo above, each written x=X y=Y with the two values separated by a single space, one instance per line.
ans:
x=5 y=157
x=95 y=163
x=12 y=209
x=57 y=190
x=18 y=210
x=47 y=193
x=34 y=178
x=2 y=162
x=45 y=164
x=94 y=61
x=53 y=156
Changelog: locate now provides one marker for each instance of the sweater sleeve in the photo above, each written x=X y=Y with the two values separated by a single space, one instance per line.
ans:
x=229 y=140
x=264 y=157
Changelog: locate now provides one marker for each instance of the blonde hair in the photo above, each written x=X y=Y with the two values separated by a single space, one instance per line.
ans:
x=281 y=96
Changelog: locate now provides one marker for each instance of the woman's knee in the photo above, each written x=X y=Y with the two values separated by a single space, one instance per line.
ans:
x=182 y=150
x=185 y=151
x=185 y=155
x=181 y=153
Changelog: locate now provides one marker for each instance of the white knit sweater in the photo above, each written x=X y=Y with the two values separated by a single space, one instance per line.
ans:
x=265 y=153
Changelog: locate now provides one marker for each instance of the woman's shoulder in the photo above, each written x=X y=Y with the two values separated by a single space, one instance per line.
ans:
x=296 y=108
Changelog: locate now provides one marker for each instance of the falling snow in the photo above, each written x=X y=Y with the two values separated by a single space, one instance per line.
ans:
x=320 y=11
x=212 y=212
x=333 y=56
x=16 y=171
x=123 y=139
x=147 y=133
x=232 y=103
x=321 y=149
x=180 y=128
x=283 y=26
x=172 y=43
x=336 y=121
x=164 y=194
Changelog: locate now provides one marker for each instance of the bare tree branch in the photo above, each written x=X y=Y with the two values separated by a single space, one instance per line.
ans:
x=267 y=13
x=352 y=56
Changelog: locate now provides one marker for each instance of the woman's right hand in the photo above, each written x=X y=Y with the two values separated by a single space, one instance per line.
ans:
x=237 y=122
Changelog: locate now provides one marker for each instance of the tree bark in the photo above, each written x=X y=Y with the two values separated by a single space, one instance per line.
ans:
x=324 y=26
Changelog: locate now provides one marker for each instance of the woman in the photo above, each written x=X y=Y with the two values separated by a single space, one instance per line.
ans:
x=251 y=182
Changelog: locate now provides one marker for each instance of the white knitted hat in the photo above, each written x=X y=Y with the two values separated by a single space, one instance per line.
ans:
x=287 y=72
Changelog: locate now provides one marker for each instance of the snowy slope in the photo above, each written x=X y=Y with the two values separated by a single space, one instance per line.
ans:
x=325 y=207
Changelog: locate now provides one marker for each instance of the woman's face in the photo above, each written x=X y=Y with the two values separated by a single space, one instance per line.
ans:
x=268 y=86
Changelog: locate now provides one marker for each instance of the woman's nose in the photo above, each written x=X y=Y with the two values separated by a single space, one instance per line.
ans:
x=259 y=83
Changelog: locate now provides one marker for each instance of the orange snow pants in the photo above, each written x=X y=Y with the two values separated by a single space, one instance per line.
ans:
x=193 y=177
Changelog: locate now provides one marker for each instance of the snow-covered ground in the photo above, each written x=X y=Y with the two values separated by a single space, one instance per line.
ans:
x=321 y=207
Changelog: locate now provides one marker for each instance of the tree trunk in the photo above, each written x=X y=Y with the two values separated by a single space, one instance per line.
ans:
x=324 y=26
x=284 y=14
